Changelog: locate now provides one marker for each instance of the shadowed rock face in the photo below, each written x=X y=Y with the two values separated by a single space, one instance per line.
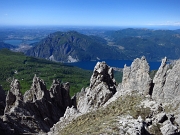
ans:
x=136 y=77
x=38 y=109
x=101 y=89
x=2 y=101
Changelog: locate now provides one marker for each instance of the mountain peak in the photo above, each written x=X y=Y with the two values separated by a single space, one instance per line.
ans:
x=71 y=44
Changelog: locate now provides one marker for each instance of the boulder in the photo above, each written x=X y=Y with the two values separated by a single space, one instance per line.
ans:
x=161 y=117
x=131 y=126
x=168 y=128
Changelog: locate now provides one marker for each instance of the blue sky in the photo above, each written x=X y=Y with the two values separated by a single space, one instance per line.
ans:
x=90 y=12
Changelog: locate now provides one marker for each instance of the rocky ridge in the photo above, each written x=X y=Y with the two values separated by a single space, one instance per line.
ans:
x=139 y=105
x=138 y=84
x=37 y=110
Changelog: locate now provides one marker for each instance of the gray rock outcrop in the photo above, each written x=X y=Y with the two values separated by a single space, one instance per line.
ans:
x=167 y=89
x=136 y=77
x=171 y=87
x=38 y=109
x=13 y=96
x=102 y=88
x=159 y=80
x=169 y=129
x=167 y=82
x=131 y=126
x=16 y=111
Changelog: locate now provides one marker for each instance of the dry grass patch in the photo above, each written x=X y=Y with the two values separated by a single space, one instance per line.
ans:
x=105 y=120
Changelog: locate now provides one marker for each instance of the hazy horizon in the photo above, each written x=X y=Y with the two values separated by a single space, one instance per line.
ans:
x=88 y=27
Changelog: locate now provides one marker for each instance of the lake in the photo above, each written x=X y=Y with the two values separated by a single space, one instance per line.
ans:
x=17 y=42
x=89 y=65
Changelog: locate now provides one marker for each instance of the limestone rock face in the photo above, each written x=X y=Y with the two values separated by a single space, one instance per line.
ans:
x=167 y=88
x=13 y=96
x=136 y=77
x=101 y=89
x=167 y=82
x=16 y=111
x=38 y=91
x=172 y=85
x=38 y=109
x=159 y=80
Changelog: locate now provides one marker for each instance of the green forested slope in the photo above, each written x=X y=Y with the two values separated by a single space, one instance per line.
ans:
x=153 y=44
x=4 y=45
x=17 y=65
x=61 y=45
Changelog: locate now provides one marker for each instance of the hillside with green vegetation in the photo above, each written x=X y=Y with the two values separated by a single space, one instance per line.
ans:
x=125 y=44
x=5 y=45
x=153 y=44
x=23 y=68
x=73 y=46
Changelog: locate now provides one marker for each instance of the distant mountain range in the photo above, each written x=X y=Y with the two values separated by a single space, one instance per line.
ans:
x=72 y=46
x=125 y=44
x=154 y=44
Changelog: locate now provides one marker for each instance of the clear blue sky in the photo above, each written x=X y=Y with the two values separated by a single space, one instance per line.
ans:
x=90 y=12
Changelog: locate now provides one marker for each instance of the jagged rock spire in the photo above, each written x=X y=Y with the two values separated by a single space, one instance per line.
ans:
x=36 y=111
x=60 y=94
x=102 y=73
x=167 y=82
x=101 y=89
x=159 y=80
x=136 y=77
x=37 y=91
x=13 y=96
